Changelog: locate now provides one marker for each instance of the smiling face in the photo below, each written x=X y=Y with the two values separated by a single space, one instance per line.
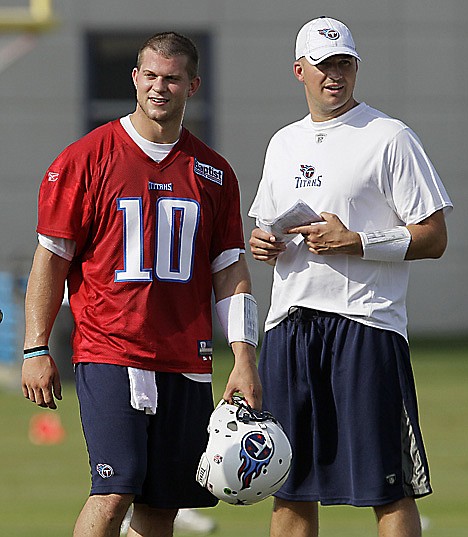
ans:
x=163 y=86
x=329 y=86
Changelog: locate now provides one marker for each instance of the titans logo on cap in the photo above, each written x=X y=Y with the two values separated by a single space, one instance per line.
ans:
x=255 y=454
x=329 y=33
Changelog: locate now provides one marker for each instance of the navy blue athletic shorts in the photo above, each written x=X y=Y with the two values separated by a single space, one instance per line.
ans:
x=153 y=457
x=345 y=396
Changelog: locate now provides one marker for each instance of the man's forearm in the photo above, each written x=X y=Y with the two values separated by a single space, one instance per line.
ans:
x=44 y=296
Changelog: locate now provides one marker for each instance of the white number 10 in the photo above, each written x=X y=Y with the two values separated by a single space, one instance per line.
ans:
x=175 y=232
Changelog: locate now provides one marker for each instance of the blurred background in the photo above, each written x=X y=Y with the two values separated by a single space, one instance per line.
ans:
x=65 y=68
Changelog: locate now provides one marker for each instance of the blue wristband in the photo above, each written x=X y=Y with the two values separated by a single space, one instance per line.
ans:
x=36 y=351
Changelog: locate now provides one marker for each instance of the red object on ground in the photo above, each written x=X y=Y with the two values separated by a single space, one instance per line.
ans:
x=46 y=429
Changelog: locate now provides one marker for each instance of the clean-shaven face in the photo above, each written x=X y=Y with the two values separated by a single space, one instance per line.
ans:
x=329 y=86
x=163 y=87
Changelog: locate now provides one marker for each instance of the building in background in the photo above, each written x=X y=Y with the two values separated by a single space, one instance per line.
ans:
x=57 y=84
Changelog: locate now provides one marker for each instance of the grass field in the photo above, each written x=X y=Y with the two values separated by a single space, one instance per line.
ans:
x=42 y=488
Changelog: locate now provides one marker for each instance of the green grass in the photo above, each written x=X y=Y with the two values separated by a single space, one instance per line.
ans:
x=42 y=488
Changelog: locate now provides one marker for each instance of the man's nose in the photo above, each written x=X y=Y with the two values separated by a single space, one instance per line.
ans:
x=335 y=72
x=159 y=84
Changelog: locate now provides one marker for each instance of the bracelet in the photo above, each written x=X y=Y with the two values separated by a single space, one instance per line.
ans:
x=36 y=351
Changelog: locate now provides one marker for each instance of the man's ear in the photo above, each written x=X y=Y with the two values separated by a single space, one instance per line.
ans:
x=134 y=76
x=298 y=70
x=194 y=85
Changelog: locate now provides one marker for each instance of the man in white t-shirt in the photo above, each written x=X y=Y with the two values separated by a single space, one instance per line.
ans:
x=335 y=363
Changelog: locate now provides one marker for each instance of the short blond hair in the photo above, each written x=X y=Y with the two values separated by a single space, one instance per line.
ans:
x=171 y=44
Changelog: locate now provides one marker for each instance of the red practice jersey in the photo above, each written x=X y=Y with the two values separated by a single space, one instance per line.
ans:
x=146 y=233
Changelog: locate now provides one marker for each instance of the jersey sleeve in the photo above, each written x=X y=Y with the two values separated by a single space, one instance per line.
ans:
x=64 y=208
x=228 y=232
x=414 y=186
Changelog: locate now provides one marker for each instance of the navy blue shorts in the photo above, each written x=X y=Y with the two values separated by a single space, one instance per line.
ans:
x=345 y=396
x=153 y=457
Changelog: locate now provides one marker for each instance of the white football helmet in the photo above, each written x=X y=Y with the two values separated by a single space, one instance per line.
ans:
x=248 y=456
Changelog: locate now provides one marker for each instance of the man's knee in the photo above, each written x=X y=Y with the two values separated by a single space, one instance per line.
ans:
x=405 y=505
x=400 y=518
x=146 y=518
x=111 y=506
x=303 y=508
x=294 y=518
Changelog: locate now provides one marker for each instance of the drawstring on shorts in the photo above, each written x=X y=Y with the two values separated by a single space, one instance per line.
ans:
x=297 y=314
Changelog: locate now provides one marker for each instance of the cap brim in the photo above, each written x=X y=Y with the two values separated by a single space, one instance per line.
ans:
x=335 y=52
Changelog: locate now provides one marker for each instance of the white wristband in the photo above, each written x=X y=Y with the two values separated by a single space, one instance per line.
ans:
x=238 y=317
x=388 y=245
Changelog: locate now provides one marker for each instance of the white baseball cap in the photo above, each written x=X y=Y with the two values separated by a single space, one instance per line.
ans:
x=324 y=37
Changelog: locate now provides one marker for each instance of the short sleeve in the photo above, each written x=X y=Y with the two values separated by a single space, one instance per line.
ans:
x=64 y=209
x=414 y=185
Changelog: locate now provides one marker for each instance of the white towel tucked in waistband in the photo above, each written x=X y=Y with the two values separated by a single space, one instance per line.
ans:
x=143 y=390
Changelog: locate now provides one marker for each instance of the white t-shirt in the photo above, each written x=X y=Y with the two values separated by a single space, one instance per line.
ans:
x=372 y=172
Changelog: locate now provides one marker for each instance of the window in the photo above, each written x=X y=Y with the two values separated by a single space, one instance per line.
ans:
x=110 y=94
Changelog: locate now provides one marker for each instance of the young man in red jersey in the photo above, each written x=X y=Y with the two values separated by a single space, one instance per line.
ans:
x=142 y=220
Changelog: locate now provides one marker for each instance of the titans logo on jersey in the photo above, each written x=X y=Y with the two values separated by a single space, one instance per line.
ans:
x=255 y=454
x=307 y=170
x=308 y=178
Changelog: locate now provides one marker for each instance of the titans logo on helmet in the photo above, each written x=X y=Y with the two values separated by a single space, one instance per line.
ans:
x=255 y=454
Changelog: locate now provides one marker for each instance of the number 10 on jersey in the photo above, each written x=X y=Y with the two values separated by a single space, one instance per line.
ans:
x=176 y=226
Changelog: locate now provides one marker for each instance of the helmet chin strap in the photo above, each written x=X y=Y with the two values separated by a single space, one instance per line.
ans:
x=245 y=413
